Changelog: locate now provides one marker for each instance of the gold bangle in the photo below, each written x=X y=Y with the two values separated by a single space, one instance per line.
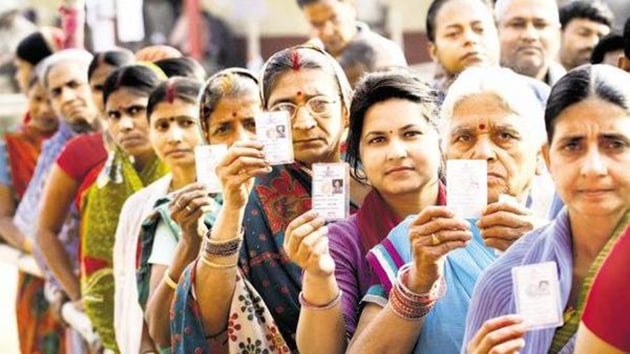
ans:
x=27 y=245
x=168 y=280
x=216 y=265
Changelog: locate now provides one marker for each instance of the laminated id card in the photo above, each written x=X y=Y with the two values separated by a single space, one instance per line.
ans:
x=273 y=130
x=537 y=295
x=331 y=190
x=207 y=157
x=466 y=187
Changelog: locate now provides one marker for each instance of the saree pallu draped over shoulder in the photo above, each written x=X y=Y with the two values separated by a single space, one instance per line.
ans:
x=494 y=296
x=103 y=202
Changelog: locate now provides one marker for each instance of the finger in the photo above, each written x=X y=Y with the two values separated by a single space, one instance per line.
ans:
x=511 y=346
x=505 y=218
x=431 y=212
x=494 y=324
x=502 y=232
x=498 y=243
x=307 y=247
x=438 y=225
x=452 y=235
x=242 y=163
x=250 y=149
x=296 y=223
x=505 y=206
x=495 y=340
x=303 y=231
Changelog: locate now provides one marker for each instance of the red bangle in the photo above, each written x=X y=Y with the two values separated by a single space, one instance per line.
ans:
x=409 y=305
x=307 y=305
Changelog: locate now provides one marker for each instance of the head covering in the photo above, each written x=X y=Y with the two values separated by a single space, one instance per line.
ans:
x=38 y=45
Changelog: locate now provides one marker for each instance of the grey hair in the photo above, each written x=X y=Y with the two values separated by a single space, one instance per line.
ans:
x=79 y=56
x=523 y=96
x=501 y=5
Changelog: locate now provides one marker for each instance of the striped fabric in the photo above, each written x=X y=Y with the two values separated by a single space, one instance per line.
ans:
x=493 y=295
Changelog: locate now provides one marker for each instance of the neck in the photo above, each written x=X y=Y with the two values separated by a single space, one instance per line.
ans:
x=183 y=176
x=141 y=161
x=590 y=233
x=407 y=204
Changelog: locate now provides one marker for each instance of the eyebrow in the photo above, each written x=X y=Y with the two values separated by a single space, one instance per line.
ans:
x=179 y=117
x=406 y=127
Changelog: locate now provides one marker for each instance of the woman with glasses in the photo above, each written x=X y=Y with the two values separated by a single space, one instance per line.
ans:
x=394 y=145
x=256 y=306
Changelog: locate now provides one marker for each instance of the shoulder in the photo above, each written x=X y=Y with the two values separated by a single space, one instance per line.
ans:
x=153 y=191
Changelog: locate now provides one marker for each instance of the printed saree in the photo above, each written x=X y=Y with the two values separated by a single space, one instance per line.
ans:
x=103 y=202
x=266 y=271
x=38 y=329
x=494 y=296
x=443 y=327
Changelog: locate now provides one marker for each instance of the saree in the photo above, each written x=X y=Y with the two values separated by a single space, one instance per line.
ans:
x=146 y=239
x=38 y=329
x=276 y=199
x=28 y=210
x=103 y=202
x=494 y=296
x=443 y=327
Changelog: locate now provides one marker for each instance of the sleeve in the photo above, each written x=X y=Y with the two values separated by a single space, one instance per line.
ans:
x=80 y=155
x=164 y=245
x=604 y=306
x=5 y=174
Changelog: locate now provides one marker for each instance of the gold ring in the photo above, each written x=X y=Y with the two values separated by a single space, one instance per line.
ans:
x=435 y=240
x=188 y=208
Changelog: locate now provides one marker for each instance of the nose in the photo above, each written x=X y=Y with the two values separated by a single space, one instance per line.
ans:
x=242 y=134
x=530 y=32
x=126 y=123
x=470 y=36
x=397 y=150
x=594 y=164
x=176 y=135
x=67 y=94
x=303 y=119
x=483 y=149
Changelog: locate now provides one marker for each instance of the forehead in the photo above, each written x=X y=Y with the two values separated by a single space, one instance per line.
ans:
x=309 y=82
x=100 y=74
x=124 y=97
x=457 y=12
x=485 y=108
x=581 y=22
x=173 y=109
x=64 y=72
x=531 y=9
x=321 y=9
x=592 y=114
x=379 y=116
x=231 y=108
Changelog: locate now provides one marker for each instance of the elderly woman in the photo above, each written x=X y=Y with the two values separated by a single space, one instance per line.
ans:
x=587 y=119
x=428 y=265
x=243 y=252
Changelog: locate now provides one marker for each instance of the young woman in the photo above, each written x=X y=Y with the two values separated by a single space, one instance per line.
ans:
x=587 y=120
x=168 y=239
x=394 y=146
x=130 y=166
x=244 y=249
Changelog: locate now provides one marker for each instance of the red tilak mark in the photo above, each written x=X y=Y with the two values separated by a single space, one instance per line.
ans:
x=295 y=60
x=299 y=93
x=482 y=126
x=233 y=114
x=170 y=92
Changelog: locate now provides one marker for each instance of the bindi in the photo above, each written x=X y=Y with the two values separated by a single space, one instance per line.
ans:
x=234 y=114
x=482 y=126
x=299 y=93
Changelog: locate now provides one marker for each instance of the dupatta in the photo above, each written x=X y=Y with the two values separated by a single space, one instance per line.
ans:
x=103 y=202
x=494 y=296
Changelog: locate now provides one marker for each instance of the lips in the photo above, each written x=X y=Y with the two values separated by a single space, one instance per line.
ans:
x=478 y=56
x=530 y=50
x=131 y=139
x=178 y=152
x=594 y=192
x=398 y=169
x=307 y=141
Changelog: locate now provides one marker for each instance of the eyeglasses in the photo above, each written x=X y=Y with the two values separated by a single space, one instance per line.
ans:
x=317 y=107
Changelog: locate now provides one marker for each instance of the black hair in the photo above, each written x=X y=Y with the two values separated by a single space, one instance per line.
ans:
x=379 y=87
x=183 y=88
x=608 y=43
x=138 y=77
x=183 y=66
x=432 y=12
x=626 y=38
x=302 y=3
x=33 y=48
x=606 y=82
x=114 y=57
x=592 y=10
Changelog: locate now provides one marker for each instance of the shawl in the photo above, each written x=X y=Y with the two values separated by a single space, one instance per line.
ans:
x=103 y=203
x=493 y=295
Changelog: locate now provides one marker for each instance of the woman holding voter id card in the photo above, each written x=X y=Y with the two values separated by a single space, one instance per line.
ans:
x=428 y=265
x=588 y=154
x=243 y=285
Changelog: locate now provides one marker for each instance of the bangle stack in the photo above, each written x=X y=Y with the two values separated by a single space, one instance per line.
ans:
x=309 y=306
x=214 y=248
x=411 y=306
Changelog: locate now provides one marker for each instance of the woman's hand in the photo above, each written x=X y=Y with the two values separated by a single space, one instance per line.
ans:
x=188 y=206
x=503 y=223
x=243 y=161
x=500 y=335
x=433 y=233
x=306 y=243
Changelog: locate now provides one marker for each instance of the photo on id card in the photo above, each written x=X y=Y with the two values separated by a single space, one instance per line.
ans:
x=537 y=295
x=273 y=130
x=207 y=157
x=330 y=188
